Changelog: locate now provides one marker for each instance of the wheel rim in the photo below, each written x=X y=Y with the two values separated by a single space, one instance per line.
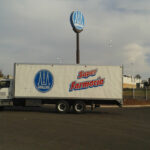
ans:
x=79 y=107
x=61 y=107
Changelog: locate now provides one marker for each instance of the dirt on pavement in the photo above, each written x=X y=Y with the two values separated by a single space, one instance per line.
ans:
x=136 y=102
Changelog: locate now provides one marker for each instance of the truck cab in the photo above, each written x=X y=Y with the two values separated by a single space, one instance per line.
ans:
x=6 y=89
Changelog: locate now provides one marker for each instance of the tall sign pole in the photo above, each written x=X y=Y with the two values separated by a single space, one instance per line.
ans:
x=77 y=23
x=78 y=49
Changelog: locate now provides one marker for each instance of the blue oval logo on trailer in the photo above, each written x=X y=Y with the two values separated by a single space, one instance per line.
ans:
x=43 y=81
x=77 y=21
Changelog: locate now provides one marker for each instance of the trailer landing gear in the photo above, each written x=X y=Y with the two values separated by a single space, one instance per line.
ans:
x=1 y=108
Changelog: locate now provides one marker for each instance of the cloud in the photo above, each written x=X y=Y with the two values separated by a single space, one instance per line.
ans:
x=35 y=31
x=128 y=6
x=135 y=56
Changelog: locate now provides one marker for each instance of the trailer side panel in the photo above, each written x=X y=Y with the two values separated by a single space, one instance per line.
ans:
x=68 y=82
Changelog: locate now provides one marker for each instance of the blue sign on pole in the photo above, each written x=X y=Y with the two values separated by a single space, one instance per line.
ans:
x=43 y=81
x=77 y=21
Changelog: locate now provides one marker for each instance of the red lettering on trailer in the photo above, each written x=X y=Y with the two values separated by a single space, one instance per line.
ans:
x=86 y=84
x=86 y=74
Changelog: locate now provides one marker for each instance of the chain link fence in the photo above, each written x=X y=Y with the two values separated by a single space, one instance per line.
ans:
x=140 y=94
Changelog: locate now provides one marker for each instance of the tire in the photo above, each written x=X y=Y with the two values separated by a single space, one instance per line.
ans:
x=79 y=107
x=62 y=106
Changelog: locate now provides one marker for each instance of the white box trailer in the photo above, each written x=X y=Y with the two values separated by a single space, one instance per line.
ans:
x=67 y=85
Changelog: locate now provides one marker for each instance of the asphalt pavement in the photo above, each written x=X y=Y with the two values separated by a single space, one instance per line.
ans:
x=35 y=128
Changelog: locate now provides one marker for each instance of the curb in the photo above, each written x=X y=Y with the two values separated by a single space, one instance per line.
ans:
x=135 y=106
x=126 y=106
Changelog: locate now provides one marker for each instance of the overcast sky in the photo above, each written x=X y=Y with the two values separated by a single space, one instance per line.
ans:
x=38 y=31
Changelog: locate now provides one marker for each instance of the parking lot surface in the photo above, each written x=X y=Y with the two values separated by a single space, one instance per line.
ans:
x=35 y=128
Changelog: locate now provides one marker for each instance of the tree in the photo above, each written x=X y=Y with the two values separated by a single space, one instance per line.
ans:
x=138 y=76
x=1 y=74
x=146 y=84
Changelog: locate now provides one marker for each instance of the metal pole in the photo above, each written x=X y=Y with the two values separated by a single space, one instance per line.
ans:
x=78 y=51
x=133 y=80
x=146 y=94
x=133 y=92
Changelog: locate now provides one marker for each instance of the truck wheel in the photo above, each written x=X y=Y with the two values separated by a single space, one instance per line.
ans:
x=62 y=107
x=79 y=107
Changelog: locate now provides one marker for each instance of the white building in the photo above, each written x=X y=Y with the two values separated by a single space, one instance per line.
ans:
x=131 y=82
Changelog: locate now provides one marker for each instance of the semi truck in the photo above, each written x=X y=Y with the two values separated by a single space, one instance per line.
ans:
x=69 y=87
